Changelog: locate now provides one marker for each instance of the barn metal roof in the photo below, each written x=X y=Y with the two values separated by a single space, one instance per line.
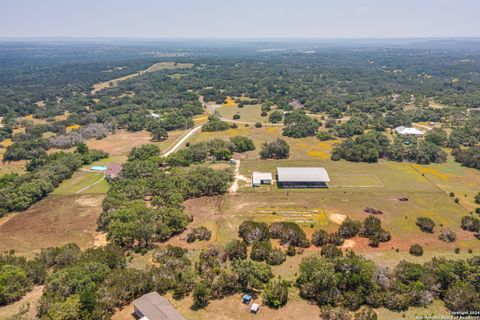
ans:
x=257 y=177
x=304 y=174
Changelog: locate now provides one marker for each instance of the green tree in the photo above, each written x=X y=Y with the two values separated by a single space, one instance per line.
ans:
x=14 y=283
x=276 y=294
x=278 y=149
x=201 y=295
x=275 y=117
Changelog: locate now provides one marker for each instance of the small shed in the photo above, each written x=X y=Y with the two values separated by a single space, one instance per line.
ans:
x=153 y=306
x=255 y=307
x=259 y=178
x=247 y=298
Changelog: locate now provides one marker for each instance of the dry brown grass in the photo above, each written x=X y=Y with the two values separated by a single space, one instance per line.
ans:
x=54 y=221
x=120 y=143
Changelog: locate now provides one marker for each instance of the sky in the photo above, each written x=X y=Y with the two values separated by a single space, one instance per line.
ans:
x=240 y=18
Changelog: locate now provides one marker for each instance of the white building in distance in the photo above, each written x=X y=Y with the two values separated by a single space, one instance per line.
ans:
x=405 y=131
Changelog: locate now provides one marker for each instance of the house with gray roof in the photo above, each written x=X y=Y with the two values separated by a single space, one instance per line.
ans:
x=153 y=306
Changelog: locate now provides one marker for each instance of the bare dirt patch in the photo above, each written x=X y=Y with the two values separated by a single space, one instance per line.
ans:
x=337 y=218
x=100 y=240
x=29 y=302
x=54 y=221
x=348 y=244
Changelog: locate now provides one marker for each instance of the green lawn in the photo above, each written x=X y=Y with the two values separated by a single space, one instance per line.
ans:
x=80 y=180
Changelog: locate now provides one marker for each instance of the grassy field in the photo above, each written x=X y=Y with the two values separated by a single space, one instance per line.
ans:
x=54 y=221
x=378 y=185
x=309 y=148
x=453 y=177
x=118 y=145
x=81 y=180
x=155 y=67
x=249 y=113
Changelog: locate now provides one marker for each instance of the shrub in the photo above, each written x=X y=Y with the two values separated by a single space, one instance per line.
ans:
x=261 y=250
x=425 y=224
x=276 y=257
x=462 y=296
x=236 y=116
x=241 y=144
x=258 y=124
x=263 y=114
x=291 y=251
x=320 y=238
x=416 y=250
x=349 y=228
x=251 y=231
x=374 y=241
x=288 y=232
x=201 y=295
x=14 y=283
x=276 y=294
x=201 y=233
x=470 y=223
x=329 y=313
x=335 y=238
x=324 y=136
x=275 y=117
x=330 y=251
x=447 y=236
x=236 y=249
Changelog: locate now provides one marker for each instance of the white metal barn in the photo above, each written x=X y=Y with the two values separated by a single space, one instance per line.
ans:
x=259 y=178
x=304 y=177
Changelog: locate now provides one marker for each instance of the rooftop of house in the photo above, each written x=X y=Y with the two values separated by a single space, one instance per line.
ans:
x=155 y=307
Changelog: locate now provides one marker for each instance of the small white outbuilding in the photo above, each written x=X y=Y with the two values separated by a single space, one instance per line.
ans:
x=259 y=178
x=405 y=131
x=255 y=307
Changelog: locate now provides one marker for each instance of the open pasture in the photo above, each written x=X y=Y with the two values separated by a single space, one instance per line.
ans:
x=309 y=148
x=249 y=113
x=83 y=182
x=118 y=145
x=453 y=177
x=52 y=222
x=361 y=185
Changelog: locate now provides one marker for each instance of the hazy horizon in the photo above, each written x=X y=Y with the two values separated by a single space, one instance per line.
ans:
x=247 y=20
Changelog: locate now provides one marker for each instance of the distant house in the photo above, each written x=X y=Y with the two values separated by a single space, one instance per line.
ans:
x=306 y=177
x=405 y=131
x=113 y=170
x=153 y=306
x=259 y=178
x=296 y=104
